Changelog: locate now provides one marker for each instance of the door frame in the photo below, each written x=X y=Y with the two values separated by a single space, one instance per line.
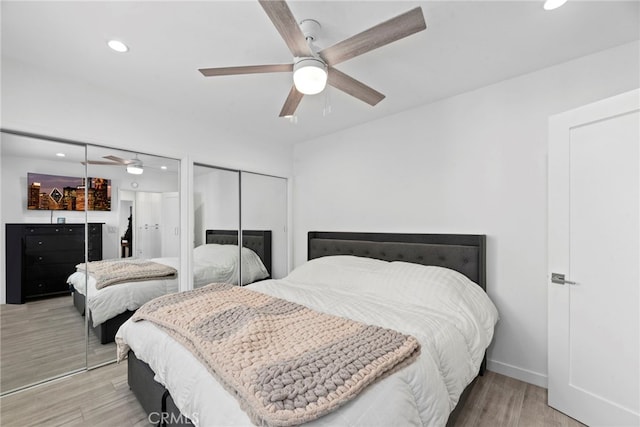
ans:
x=558 y=242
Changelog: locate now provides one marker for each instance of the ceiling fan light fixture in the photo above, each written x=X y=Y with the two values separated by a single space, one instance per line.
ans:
x=553 y=4
x=135 y=168
x=118 y=46
x=310 y=76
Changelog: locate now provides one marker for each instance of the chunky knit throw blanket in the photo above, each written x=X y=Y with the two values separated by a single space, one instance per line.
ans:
x=114 y=271
x=285 y=363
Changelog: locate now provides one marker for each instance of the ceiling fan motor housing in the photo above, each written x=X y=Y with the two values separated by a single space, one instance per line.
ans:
x=310 y=28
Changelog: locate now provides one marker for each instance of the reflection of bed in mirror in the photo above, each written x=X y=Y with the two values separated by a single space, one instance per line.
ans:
x=435 y=293
x=215 y=261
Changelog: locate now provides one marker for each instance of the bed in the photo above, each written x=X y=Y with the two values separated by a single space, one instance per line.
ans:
x=167 y=379
x=111 y=306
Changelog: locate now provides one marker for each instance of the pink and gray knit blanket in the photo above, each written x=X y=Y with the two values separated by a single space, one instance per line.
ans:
x=286 y=364
x=113 y=271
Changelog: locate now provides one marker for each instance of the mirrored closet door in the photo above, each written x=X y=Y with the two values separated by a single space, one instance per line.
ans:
x=264 y=214
x=134 y=205
x=216 y=206
x=42 y=336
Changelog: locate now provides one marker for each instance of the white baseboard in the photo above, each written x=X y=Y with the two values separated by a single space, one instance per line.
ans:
x=521 y=374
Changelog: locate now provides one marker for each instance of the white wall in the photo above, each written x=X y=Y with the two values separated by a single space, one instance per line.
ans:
x=473 y=163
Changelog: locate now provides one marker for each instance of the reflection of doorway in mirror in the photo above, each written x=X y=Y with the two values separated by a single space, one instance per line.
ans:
x=155 y=223
x=127 y=210
x=126 y=228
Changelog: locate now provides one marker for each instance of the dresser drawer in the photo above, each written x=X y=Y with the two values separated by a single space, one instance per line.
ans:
x=45 y=271
x=45 y=286
x=69 y=229
x=48 y=242
x=44 y=258
x=95 y=254
x=40 y=257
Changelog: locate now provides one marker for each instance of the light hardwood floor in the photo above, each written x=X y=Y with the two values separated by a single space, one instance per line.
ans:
x=101 y=397
x=43 y=339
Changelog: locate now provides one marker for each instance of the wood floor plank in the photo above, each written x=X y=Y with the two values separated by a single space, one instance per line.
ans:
x=43 y=339
x=473 y=406
x=101 y=397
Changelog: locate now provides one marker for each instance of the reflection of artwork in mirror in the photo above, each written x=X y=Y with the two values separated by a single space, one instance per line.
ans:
x=55 y=192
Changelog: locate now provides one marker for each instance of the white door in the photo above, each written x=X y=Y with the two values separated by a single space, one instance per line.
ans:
x=593 y=325
x=147 y=236
x=170 y=220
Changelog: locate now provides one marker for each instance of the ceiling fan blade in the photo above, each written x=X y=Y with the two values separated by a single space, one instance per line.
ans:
x=117 y=160
x=382 y=34
x=100 y=162
x=287 y=26
x=353 y=87
x=290 y=105
x=247 y=69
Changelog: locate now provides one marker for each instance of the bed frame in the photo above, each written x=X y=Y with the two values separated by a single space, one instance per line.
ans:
x=465 y=253
x=257 y=240
x=106 y=331
x=461 y=252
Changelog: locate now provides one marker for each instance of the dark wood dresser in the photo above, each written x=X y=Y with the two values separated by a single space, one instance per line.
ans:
x=40 y=257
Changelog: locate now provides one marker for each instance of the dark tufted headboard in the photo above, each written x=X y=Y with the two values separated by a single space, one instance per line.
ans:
x=258 y=241
x=461 y=252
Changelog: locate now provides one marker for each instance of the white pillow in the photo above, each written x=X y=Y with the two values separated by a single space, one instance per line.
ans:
x=219 y=263
x=217 y=255
x=252 y=267
x=437 y=288
x=343 y=272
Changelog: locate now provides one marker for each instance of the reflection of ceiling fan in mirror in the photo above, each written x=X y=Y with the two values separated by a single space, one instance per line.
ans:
x=314 y=68
x=134 y=166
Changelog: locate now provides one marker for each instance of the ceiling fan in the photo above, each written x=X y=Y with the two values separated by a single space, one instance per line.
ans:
x=134 y=166
x=312 y=68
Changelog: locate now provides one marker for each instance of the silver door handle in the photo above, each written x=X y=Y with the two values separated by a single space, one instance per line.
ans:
x=560 y=280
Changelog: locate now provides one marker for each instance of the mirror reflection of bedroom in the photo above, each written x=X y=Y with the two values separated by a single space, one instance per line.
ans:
x=141 y=243
x=219 y=196
x=264 y=207
x=45 y=328
x=41 y=334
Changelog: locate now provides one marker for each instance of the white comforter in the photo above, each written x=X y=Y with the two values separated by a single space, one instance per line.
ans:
x=451 y=317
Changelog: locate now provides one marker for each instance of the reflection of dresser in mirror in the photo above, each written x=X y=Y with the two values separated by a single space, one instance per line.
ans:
x=40 y=257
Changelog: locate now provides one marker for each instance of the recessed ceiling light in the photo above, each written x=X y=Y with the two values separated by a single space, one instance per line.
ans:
x=553 y=4
x=60 y=154
x=118 y=46
x=164 y=168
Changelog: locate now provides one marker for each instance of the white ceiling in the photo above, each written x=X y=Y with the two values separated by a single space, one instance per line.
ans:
x=467 y=44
